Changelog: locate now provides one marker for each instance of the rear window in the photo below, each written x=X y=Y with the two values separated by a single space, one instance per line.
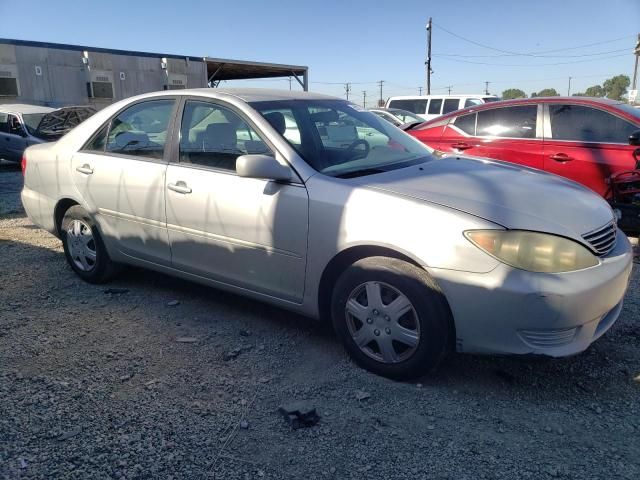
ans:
x=580 y=123
x=417 y=105
x=511 y=122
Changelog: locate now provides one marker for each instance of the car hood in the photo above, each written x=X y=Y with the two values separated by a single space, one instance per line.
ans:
x=512 y=196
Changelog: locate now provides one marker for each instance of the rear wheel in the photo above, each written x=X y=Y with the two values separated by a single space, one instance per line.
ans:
x=83 y=247
x=392 y=317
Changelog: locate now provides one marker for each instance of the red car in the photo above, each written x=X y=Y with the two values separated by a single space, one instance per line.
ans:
x=589 y=140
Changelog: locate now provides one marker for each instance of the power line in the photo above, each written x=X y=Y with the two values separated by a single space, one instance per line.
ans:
x=532 y=64
x=510 y=52
x=534 y=56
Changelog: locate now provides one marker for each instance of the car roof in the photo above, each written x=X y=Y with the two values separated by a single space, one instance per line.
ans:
x=525 y=101
x=462 y=95
x=259 y=94
x=24 y=108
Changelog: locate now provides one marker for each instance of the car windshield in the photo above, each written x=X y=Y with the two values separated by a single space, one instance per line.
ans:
x=634 y=111
x=340 y=139
x=31 y=121
x=406 y=117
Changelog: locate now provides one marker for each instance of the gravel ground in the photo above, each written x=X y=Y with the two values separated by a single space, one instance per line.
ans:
x=132 y=385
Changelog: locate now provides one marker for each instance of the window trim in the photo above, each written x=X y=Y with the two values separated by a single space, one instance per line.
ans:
x=107 y=123
x=547 y=123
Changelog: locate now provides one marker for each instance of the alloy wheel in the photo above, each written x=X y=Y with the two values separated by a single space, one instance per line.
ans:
x=81 y=245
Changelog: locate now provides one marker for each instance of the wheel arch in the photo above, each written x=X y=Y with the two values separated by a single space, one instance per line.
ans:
x=60 y=209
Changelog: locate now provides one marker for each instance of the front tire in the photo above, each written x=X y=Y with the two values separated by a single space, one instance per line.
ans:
x=391 y=317
x=83 y=247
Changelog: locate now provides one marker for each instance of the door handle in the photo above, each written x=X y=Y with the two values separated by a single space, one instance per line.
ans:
x=179 y=187
x=560 y=157
x=86 y=169
x=461 y=146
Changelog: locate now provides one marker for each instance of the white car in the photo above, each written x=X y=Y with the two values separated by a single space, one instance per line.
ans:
x=432 y=106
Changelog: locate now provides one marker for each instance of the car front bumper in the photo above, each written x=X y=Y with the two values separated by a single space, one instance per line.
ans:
x=512 y=311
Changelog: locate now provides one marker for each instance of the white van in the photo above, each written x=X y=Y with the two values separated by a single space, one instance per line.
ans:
x=432 y=106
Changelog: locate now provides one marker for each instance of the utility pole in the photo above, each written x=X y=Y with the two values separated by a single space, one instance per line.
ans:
x=381 y=101
x=486 y=88
x=569 y=89
x=449 y=89
x=347 y=89
x=634 y=85
x=289 y=83
x=428 y=62
x=364 y=99
x=419 y=90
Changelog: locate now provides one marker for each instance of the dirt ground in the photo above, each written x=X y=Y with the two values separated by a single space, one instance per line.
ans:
x=168 y=379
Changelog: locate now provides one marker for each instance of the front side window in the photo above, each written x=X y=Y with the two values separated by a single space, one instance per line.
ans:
x=466 y=123
x=586 y=124
x=435 y=105
x=511 y=122
x=450 y=105
x=470 y=102
x=340 y=139
x=214 y=136
x=141 y=130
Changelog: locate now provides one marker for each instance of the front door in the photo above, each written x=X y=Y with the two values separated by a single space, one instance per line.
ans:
x=120 y=174
x=13 y=137
x=587 y=145
x=245 y=232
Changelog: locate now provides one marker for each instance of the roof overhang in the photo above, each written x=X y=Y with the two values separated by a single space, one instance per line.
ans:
x=224 y=69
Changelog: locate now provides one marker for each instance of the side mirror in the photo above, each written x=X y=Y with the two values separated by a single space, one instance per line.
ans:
x=634 y=138
x=262 y=166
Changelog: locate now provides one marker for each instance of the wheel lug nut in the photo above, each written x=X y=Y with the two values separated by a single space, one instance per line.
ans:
x=369 y=321
x=387 y=331
x=387 y=318
x=376 y=332
x=375 y=312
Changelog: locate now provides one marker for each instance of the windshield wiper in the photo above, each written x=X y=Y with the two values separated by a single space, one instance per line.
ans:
x=360 y=173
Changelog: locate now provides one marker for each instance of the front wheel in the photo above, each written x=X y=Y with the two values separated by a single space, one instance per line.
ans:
x=83 y=247
x=391 y=317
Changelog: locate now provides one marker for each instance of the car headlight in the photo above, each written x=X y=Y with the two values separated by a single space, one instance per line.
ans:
x=533 y=251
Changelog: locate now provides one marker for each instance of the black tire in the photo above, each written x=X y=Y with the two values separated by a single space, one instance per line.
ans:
x=429 y=306
x=102 y=269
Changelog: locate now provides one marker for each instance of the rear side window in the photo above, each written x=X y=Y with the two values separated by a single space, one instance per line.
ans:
x=214 y=136
x=585 y=124
x=417 y=105
x=451 y=105
x=141 y=130
x=435 y=106
x=466 y=123
x=511 y=122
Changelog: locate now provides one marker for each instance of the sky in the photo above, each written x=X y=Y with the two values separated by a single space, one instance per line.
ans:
x=529 y=45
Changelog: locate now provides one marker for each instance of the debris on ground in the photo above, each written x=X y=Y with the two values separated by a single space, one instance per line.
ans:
x=299 y=414
x=362 y=395
x=116 y=291
x=186 y=339
x=173 y=303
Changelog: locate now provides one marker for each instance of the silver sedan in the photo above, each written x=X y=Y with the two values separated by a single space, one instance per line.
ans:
x=313 y=204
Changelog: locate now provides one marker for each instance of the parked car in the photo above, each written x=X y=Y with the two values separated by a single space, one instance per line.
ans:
x=397 y=116
x=431 y=106
x=583 y=139
x=22 y=125
x=408 y=256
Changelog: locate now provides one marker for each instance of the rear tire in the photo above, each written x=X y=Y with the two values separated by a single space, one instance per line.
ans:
x=392 y=317
x=83 y=247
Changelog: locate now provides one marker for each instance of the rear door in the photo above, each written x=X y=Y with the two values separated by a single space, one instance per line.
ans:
x=512 y=134
x=120 y=174
x=587 y=144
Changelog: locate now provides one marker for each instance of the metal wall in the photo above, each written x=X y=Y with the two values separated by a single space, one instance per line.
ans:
x=58 y=77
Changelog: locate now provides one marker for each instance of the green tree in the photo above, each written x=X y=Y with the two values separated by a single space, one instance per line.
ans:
x=510 y=93
x=615 y=88
x=547 y=92
x=594 y=91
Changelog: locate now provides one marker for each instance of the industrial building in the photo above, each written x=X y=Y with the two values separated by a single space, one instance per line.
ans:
x=56 y=75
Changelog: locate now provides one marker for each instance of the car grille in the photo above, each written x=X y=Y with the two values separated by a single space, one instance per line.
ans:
x=603 y=239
